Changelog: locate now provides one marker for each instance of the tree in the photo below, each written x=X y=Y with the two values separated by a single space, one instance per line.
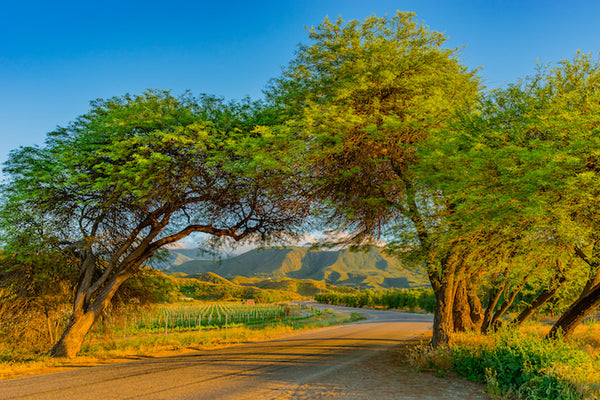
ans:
x=359 y=102
x=136 y=173
x=525 y=167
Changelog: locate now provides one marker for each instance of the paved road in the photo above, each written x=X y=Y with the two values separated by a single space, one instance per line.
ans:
x=354 y=361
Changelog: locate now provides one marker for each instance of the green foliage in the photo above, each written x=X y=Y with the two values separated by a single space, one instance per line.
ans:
x=131 y=155
x=360 y=99
x=526 y=161
x=136 y=173
x=521 y=173
x=523 y=365
x=410 y=299
x=41 y=277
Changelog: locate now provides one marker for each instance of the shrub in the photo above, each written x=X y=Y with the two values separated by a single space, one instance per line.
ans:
x=525 y=366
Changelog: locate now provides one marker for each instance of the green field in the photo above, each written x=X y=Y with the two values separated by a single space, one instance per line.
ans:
x=181 y=317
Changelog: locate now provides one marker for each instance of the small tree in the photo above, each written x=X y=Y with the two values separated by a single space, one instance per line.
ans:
x=136 y=173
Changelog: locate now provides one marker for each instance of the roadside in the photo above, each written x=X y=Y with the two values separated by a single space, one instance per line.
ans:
x=120 y=350
x=366 y=359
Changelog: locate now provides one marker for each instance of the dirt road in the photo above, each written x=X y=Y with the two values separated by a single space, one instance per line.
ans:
x=355 y=361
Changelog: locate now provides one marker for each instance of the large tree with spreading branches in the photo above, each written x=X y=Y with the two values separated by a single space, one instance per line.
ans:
x=360 y=101
x=137 y=173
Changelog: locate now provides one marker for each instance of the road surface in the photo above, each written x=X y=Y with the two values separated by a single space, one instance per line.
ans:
x=361 y=360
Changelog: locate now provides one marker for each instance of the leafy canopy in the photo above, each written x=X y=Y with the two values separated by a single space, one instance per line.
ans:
x=360 y=99
x=523 y=172
x=146 y=170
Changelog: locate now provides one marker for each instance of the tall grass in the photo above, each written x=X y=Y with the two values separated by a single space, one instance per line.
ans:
x=27 y=330
x=28 y=333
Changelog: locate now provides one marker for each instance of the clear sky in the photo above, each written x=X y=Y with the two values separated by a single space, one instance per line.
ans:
x=56 y=56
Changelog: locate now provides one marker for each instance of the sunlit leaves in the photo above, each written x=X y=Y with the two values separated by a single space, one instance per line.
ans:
x=360 y=98
x=523 y=167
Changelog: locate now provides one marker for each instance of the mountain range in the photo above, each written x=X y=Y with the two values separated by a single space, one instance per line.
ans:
x=367 y=269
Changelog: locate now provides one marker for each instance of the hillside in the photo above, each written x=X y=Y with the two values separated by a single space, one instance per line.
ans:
x=371 y=269
x=178 y=257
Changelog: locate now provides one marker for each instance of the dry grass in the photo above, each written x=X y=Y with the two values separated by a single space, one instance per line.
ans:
x=423 y=357
x=156 y=343
x=27 y=330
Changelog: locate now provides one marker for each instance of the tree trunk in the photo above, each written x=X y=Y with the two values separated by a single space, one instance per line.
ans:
x=588 y=300
x=537 y=304
x=594 y=264
x=508 y=302
x=443 y=287
x=443 y=321
x=494 y=297
x=477 y=313
x=83 y=318
x=72 y=339
x=461 y=311
x=583 y=307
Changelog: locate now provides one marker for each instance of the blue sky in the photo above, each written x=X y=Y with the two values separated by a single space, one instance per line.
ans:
x=56 y=56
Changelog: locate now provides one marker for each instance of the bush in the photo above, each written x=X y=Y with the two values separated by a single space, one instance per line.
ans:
x=525 y=366
x=35 y=300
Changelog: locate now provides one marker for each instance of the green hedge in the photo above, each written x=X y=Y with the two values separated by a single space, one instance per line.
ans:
x=410 y=299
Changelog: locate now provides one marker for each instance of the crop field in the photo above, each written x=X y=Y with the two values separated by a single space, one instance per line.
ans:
x=175 y=318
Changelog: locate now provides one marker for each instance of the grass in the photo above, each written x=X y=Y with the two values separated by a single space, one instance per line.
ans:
x=125 y=347
x=520 y=363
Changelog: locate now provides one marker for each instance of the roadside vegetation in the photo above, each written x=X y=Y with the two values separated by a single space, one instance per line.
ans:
x=130 y=333
x=31 y=321
x=520 y=364
x=514 y=361
x=153 y=313
x=403 y=299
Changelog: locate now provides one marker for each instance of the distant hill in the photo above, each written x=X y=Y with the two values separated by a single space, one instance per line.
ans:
x=179 y=256
x=371 y=269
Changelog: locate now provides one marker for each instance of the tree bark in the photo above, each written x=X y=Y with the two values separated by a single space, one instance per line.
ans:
x=477 y=313
x=461 y=311
x=443 y=287
x=443 y=321
x=588 y=300
x=494 y=297
x=72 y=338
x=508 y=302
x=594 y=264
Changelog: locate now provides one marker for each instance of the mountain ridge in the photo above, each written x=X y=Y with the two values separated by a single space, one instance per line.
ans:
x=367 y=269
